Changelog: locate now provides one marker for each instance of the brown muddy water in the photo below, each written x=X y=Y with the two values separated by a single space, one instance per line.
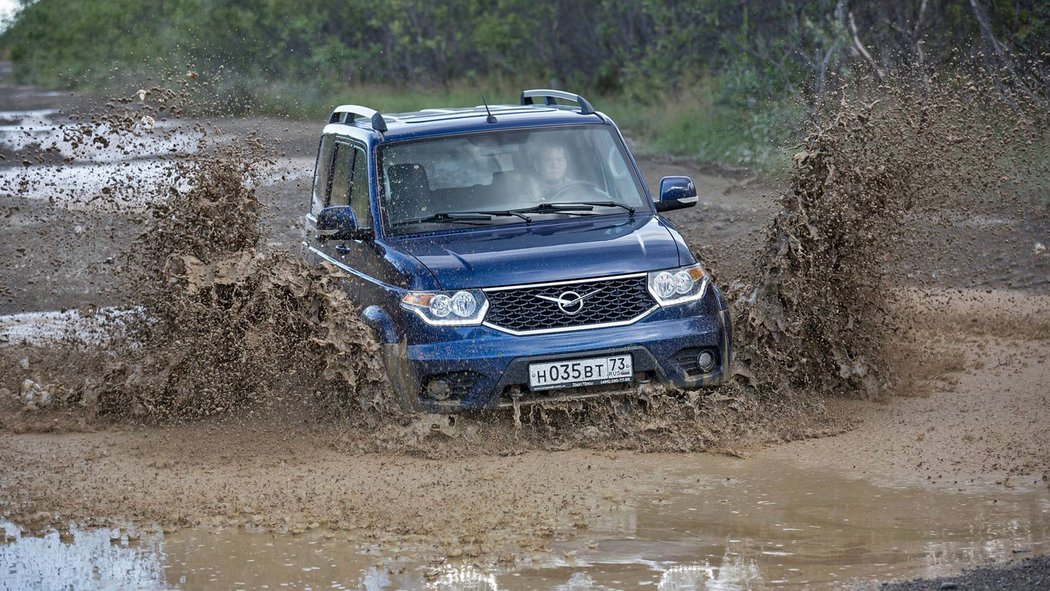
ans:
x=722 y=523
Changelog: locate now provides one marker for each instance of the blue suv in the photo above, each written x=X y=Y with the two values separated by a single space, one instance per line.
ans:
x=512 y=254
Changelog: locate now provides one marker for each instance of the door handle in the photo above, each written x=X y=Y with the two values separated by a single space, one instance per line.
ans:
x=342 y=249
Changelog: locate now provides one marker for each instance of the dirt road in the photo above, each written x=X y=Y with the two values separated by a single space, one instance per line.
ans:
x=970 y=418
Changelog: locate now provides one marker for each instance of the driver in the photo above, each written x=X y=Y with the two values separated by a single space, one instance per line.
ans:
x=551 y=163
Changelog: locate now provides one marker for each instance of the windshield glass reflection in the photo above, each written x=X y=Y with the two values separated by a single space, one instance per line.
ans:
x=506 y=177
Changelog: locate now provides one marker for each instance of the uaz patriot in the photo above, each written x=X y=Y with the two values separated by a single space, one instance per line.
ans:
x=512 y=254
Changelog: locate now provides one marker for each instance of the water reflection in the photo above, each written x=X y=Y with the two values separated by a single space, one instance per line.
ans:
x=80 y=558
x=709 y=524
x=753 y=524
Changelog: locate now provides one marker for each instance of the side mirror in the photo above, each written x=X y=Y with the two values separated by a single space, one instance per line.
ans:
x=676 y=192
x=339 y=223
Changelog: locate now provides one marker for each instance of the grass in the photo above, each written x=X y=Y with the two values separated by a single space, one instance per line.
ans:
x=692 y=123
x=696 y=124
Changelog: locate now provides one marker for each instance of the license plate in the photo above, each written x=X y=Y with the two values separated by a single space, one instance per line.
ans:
x=574 y=373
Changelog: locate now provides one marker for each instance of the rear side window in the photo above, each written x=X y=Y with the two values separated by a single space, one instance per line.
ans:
x=341 y=167
x=359 y=189
x=322 y=174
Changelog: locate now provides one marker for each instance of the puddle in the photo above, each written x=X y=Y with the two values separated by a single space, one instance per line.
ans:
x=132 y=186
x=48 y=328
x=713 y=523
x=47 y=128
x=761 y=524
x=124 y=174
x=27 y=117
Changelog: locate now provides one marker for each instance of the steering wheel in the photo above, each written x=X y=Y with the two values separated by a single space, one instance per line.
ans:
x=577 y=185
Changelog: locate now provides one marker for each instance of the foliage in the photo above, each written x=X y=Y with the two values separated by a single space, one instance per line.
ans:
x=751 y=63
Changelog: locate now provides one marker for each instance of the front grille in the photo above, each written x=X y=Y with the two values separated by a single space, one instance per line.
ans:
x=606 y=301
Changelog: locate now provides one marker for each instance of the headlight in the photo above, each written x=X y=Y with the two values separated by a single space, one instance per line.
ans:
x=460 y=308
x=677 y=286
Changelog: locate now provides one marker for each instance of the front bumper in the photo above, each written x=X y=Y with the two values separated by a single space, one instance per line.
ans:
x=489 y=368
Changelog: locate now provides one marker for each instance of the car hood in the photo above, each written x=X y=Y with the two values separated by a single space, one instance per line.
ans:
x=576 y=249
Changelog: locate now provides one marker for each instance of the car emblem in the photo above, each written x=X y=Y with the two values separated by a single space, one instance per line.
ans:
x=569 y=302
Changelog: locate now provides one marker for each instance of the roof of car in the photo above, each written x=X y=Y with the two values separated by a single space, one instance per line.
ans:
x=429 y=122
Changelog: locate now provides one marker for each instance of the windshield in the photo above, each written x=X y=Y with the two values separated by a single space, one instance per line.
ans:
x=510 y=176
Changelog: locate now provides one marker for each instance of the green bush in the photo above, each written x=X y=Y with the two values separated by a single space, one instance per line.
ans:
x=718 y=81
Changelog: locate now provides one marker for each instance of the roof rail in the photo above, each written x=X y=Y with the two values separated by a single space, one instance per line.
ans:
x=548 y=97
x=349 y=113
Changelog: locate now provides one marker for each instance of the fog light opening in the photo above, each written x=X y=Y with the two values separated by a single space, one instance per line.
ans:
x=439 y=389
x=706 y=361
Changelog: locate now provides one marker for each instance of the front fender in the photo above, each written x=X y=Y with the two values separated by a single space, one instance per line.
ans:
x=381 y=323
x=394 y=351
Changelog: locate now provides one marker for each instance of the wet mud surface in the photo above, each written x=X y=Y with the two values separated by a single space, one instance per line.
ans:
x=931 y=373
x=676 y=522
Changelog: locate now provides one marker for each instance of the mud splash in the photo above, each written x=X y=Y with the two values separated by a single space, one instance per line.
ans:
x=816 y=314
x=218 y=322
x=228 y=324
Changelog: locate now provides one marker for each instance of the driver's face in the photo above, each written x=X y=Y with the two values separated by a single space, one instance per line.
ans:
x=552 y=164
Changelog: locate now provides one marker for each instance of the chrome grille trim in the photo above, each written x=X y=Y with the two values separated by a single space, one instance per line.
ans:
x=640 y=298
x=567 y=282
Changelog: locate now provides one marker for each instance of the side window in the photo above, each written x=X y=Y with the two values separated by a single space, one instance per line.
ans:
x=322 y=174
x=359 y=189
x=341 y=167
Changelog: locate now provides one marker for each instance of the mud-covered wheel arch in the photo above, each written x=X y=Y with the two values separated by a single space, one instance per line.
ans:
x=402 y=378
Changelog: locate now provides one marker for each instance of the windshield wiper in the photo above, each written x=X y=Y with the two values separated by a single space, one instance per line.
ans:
x=506 y=212
x=450 y=217
x=580 y=208
x=467 y=216
x=601 y=204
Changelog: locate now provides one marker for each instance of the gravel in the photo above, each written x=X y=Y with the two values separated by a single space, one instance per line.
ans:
x=1029 y=574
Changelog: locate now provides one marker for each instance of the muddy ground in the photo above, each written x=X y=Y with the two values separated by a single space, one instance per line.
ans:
x=971 y=415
